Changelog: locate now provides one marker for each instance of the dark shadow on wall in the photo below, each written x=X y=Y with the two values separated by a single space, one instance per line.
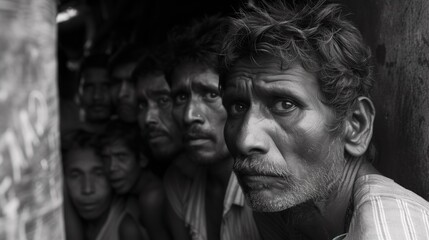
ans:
x=398 y=35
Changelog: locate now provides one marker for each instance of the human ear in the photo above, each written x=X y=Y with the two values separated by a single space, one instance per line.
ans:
x=359 y=127
x=143 y=160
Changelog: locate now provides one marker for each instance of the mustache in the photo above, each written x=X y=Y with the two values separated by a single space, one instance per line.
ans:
x=255 y=166
x=196 y=132
x=153 y=131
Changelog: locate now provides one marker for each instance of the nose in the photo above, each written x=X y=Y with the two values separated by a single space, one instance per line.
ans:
x=87 y=186
x=99 y=93
x=250 y=137
x=125 y=91
x=193 y=113
x=152 y=116
x=113 y=166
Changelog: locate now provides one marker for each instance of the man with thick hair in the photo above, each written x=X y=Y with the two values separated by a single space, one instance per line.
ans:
x=159 y=131
x=295 y=84
x=208 y=204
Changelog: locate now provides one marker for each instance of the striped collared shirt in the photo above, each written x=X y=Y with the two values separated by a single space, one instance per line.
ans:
x=383 y=210
x=187 y=198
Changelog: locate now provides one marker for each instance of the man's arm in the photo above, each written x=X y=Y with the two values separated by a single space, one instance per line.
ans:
x=129 y=229
x=176 y=225
x=151 y=204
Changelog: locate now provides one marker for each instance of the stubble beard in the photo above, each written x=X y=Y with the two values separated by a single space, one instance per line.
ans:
x=317 y=187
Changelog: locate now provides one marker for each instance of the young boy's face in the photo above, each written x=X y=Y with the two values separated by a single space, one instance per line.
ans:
x=87 y=183
x=121 y=165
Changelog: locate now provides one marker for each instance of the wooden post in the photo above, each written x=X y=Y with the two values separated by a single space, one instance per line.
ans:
x=30 y=169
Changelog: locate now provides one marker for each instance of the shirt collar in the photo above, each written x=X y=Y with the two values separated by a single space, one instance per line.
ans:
x=234 y=194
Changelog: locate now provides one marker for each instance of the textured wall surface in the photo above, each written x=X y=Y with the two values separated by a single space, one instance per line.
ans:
x=398 y=33
x=30 y=170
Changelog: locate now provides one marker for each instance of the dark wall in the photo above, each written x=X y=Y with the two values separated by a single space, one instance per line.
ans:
x=398 y=33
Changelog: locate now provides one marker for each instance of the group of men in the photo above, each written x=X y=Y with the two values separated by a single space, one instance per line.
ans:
x=256 y=126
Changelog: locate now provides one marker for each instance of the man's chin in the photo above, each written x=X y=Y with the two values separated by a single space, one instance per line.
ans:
x=262 y=201
x=205 y=156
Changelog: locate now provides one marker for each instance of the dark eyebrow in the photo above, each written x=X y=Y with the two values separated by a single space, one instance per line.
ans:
x=74 y=169
x=204 y=87
x=160 y=92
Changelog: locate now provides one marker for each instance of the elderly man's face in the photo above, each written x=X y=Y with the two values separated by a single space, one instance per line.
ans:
x=278 y=132
x=199 y=111
x=155 y=117
x=123 y=93
x=95 y=97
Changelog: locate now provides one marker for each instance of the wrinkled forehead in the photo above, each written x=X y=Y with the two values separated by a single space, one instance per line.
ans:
x=188 y=73
x=263 y=70
x=255 y=64
x=152 y=84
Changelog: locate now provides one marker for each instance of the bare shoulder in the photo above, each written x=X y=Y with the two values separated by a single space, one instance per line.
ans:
x=130 y=229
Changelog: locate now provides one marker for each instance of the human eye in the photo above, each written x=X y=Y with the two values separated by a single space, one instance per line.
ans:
x=236 y=109
x=180 y=98
x=284 y=106
x=211 y=95
x=142 y=105
x=164 y=101
x=99 y=172
x=74 y=175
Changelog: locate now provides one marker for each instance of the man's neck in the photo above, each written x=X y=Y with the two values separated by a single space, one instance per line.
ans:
x=334 y=209
x=93 y=227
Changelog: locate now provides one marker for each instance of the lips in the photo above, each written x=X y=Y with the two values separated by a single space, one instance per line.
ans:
x=88 y=206
x=154 y=135
x=115 y=181
x=196 y=134
x=196 y=138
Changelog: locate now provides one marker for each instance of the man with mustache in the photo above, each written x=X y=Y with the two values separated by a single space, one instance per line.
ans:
x=160 y=134
x=208 y=204
x=104 y=216
x=126 y=169
x=296 y=84
x=94 y=92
